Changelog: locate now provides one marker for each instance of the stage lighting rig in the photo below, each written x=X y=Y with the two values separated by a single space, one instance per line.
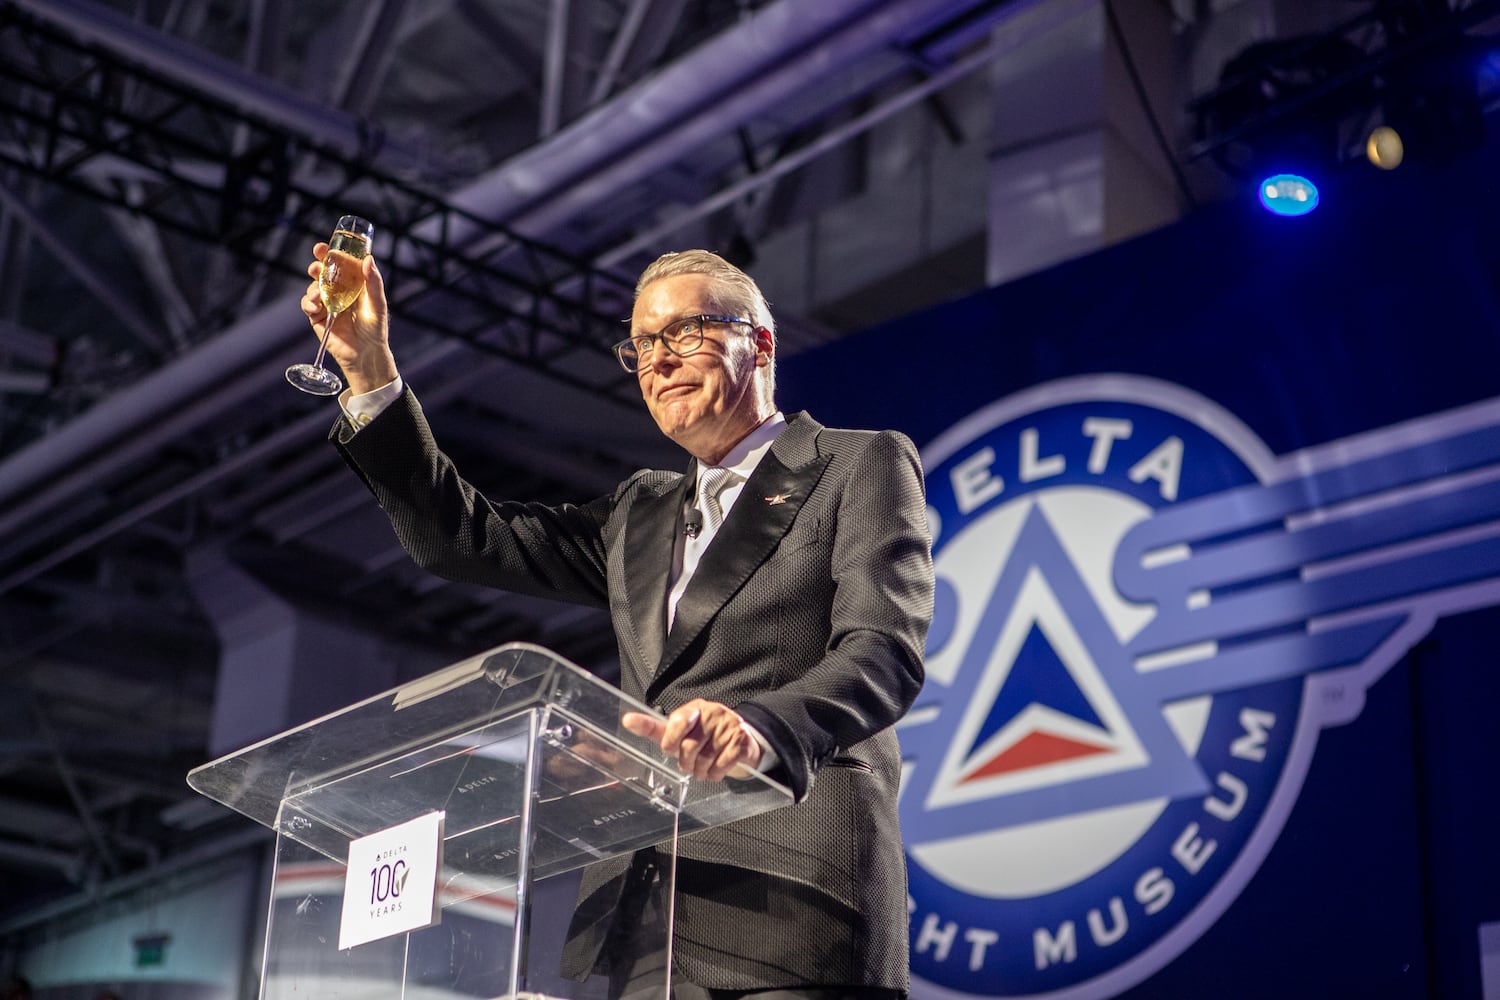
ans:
x=1399 y=83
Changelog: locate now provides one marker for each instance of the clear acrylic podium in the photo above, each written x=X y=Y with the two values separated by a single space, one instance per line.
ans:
x=524 y=754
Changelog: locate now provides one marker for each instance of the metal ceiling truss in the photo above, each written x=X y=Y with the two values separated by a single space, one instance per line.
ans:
x=81 y=117
x=177 y=399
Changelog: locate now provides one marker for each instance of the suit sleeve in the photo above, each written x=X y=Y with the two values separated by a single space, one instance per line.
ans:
x=871 y=668
x=451 y=529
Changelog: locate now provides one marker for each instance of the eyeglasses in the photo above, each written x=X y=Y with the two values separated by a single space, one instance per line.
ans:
x=682 y=337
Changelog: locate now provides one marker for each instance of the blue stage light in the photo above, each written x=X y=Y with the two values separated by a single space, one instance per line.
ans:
x=1288 y=194
x=1489 y=72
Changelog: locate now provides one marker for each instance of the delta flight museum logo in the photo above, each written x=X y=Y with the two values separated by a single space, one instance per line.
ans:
x=1143 y=620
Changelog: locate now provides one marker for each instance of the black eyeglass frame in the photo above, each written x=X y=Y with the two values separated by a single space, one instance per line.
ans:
x=660 y=336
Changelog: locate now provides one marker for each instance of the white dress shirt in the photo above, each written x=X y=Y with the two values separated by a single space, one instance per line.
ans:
x=741 y=461
x=361 y=409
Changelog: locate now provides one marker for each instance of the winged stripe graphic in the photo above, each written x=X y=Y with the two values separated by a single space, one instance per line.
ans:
x=1321 y=566
x=1331 y=567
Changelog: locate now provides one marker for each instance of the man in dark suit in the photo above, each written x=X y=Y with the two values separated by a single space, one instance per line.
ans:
x=773 y=602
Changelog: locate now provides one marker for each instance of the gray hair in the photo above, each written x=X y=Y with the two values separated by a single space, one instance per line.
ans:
x=733 y=291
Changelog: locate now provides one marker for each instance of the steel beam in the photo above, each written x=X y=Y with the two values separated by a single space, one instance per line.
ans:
x=232 y=85
x=111 y=297
x=783 y=49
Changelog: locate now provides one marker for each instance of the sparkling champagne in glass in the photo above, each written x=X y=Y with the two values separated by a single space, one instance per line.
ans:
x=339 y=285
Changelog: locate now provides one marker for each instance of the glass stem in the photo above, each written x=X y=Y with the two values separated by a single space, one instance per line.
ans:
x=323 y=344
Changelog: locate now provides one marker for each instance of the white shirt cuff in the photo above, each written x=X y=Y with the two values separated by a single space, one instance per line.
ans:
x=360 y=410
x=768 y=757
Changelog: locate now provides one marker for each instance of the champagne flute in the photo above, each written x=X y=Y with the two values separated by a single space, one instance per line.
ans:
x=339 y=285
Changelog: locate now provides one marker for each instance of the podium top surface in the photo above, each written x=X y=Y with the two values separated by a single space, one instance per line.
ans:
x=472 y=739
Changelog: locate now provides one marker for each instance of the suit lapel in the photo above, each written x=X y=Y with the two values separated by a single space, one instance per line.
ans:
x=650 y=537
x=759 y=519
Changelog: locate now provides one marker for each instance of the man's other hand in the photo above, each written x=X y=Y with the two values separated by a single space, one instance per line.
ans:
x=708 y=739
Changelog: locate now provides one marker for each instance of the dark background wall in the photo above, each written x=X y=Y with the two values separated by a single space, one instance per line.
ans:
x=1380 y=307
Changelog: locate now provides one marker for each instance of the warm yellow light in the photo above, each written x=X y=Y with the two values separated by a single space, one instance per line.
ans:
x=1384 y=148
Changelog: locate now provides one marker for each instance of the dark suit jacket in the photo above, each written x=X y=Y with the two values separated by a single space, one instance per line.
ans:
x=807 y=616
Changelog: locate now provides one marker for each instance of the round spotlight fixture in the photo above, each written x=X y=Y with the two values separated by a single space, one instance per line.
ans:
x=1288 y=194
x=1384 y=148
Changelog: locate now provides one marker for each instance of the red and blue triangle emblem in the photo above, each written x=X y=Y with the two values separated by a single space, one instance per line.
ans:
x=1037 y=678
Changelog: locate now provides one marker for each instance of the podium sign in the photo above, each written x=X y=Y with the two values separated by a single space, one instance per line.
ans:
x=399 y=867
x=524 y=757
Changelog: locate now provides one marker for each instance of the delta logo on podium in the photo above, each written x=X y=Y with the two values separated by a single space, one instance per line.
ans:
x=1143 y=620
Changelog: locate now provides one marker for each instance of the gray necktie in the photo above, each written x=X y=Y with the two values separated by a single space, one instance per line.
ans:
x=710 y=482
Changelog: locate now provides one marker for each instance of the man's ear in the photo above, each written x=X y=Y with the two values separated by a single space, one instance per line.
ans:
x=765 y=346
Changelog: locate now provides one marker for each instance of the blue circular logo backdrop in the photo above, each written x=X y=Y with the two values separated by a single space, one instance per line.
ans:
x=1075 y=814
